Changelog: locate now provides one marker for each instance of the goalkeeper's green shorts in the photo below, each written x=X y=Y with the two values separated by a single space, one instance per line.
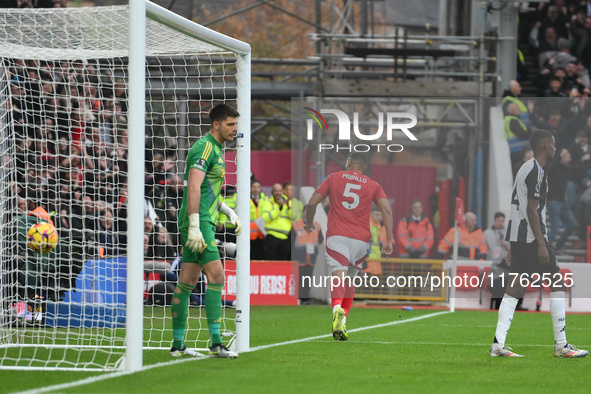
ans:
x=210 y=253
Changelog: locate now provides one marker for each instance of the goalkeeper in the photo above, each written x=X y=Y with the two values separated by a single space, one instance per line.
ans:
x=204 y=176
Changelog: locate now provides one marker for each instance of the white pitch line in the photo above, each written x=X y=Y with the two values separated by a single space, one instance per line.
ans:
x=392 y=323
x=453 y=343
x=99 y=378
x=95 y=379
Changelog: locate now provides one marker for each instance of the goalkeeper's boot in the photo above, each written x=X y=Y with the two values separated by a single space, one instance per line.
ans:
x=569 y=351
x=503 y=352
x=337 y=324
x=174 y=352
x=222 y=352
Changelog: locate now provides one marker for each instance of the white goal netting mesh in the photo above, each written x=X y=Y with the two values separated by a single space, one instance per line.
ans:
x=64 y=148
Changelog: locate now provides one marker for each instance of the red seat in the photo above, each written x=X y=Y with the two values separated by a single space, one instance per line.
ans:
x=467 y=282
x=149 y=279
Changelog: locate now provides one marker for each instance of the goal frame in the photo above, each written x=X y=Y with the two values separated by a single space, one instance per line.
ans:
x=142 y=12
x=137 y=72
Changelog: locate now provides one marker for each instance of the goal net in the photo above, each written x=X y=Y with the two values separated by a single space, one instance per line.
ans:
x=65 y=139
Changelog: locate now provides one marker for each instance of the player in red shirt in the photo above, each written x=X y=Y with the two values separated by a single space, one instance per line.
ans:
x=350 y=195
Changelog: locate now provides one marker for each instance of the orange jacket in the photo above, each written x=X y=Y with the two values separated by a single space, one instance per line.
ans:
x=302 y=236
x=301 y=239
x=414 y=233
x=42 y=214
x=255 y=231
x=471 y=244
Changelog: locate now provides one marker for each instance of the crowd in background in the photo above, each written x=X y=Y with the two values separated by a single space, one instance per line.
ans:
x=70 y=138
x=560 y=40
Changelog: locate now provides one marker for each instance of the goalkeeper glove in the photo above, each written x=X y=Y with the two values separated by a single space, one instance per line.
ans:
x=195 y=240
x=226 y=210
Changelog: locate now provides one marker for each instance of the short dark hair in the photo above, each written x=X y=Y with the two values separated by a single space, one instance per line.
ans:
x=358 y=157
x=286 y=184
x=499 y=215
x=538 y=137
x=220 y=112
x=559 y=69
x=415 y=200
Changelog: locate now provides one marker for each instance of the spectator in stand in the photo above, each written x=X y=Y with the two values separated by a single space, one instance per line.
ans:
x=305 y=250
x=580 y=149
x=295 y=205
x=516 y=131
x=545 y=21
x=471 y=245
x=555 y=88
x=107 y=178
x=257 y=223
x=90 y=215
x=415 y=233
x=277 y=216
x=571 y=78
x=377 y=229
x=560 y=73
x=376 y=223
x=149 y=227
x=106 y=236
x=150 y=212
x=559 y=210
x=548 y=43
x=585 y=200
x=581 y=31
x=581 y=163
x=226 y=231
x=551 y=61
x=513 y=95
x=147 y=248
x=168 y=204
x=154 y=259
x=564 y=130
x=583 y=79
x=162 y=246
x=497 y=251
x=571 y=107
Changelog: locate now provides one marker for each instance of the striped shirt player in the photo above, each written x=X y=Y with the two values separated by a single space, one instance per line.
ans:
x=351 y=195
x=531 y=257
x=530 y=183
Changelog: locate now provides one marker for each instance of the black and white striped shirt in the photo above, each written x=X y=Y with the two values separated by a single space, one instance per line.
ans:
x=530 y=183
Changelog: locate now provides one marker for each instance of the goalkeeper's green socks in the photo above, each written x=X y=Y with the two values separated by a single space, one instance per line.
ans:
x=180 y=310
x=213 y=310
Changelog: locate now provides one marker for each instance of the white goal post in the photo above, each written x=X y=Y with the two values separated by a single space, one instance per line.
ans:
x=172 y=71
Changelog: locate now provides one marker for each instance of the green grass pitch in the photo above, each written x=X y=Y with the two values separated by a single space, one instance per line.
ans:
x=443 y=353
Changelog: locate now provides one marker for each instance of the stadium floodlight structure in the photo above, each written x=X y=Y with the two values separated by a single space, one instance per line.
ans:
x=84 y=94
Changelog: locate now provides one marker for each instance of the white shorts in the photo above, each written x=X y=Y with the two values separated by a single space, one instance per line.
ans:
x=344 y=253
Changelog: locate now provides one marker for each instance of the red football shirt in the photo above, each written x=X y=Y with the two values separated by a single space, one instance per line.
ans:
x=350 y=195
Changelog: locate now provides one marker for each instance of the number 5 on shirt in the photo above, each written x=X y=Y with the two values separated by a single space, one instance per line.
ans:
x=350 y=194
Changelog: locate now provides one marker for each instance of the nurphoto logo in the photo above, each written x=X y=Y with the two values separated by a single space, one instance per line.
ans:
x=392 y=123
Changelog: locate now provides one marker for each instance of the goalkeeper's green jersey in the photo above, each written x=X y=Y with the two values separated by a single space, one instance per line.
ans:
x=205 y=155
